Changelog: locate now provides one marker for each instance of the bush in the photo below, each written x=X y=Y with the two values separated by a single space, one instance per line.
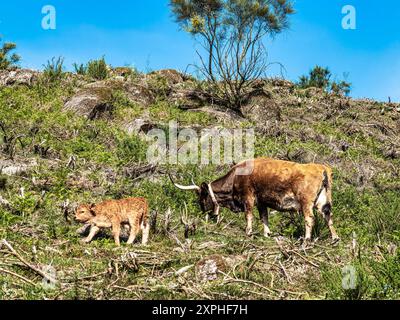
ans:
x=320 y=77
x=80 y=68
x=53 y=70
x=97 y=69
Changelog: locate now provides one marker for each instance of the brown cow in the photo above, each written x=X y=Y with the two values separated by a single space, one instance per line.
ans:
x=268 y=183
x=114 y=213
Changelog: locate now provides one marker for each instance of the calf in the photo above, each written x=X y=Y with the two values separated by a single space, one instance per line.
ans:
x=112 y=214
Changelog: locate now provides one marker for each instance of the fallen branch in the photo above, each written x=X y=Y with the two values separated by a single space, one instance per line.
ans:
x=17 y=276
x=32 y=267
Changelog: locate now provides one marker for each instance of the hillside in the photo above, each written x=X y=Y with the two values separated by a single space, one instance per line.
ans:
x=79 y=140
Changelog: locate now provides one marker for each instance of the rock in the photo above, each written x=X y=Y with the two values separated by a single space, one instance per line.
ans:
x=139 y=93
x=18 y=77
x=208 y=268
x=220 y=114
x=139 y=126
x=171 y=76
x=122 y=72
x=93 y=102
x=14 y=168
x=188 y=98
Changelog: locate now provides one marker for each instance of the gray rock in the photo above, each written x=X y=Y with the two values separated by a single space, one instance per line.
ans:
x=94 y=101
x=18 y=77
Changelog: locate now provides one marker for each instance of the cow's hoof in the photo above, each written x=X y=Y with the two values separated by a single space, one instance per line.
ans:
x=335 y=240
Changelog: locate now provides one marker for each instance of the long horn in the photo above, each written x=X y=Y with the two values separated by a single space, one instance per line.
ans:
x=193 y=187
x=214 y=200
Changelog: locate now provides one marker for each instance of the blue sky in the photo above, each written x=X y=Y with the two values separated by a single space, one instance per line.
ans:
x=143 y=34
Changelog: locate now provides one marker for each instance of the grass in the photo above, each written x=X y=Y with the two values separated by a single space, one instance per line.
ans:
x=254 y=268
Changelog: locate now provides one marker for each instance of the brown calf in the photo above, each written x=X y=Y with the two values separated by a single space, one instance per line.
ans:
x=114 y=213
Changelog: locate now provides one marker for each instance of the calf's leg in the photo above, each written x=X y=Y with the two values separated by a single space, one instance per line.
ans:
x=145 y=233
x=134 y=232
x=93 y=231
x=116 y=230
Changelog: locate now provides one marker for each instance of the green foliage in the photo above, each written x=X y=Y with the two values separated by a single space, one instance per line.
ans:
x=320 y=77
x=54 y=70
x=80 y=69
x=97 y=69
x=7 y=58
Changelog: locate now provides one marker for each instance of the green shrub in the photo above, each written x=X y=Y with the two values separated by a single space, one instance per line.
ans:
x=54 y=70
x=98 y=69
x=320 y=77
x=80 y=68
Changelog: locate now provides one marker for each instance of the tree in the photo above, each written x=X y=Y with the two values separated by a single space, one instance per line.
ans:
x=320 y=77
x=7 y=59
x=231 y=34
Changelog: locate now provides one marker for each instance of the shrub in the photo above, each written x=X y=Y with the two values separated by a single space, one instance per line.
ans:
x=97 y=69
x=80 y=68
x=54 y=69
x=320 y=77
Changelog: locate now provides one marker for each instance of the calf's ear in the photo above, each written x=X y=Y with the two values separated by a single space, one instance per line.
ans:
x=92 y=207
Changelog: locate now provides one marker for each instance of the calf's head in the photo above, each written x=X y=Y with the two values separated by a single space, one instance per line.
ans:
x=84 y=213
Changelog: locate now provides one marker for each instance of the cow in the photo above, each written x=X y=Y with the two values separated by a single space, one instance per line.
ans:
x=270 y=184
x=113 y=214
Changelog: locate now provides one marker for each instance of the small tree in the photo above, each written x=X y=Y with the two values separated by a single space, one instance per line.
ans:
x=320 y=77
x=231 y=33
x=8 y=59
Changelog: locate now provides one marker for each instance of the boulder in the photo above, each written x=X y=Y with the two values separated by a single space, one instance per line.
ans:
x=139 y=93
x=18 y=77
x=94 y=101
x=139 y=126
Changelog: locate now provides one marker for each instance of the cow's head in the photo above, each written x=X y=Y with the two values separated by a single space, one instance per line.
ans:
x=205 y=194
x=84 y=213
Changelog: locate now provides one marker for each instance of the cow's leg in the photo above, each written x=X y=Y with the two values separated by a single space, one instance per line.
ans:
x=263 y=210
x=249 y=206
x=93 y=231
x=309 y=221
